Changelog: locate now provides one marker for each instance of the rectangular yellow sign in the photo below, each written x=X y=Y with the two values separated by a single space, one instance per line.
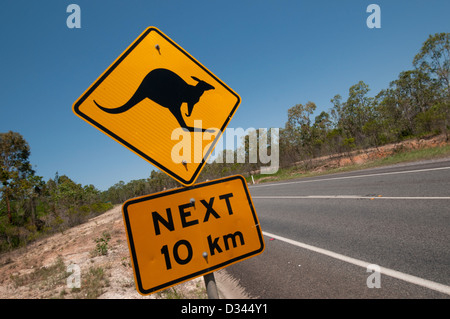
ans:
x=180 y=234
x=162 y=104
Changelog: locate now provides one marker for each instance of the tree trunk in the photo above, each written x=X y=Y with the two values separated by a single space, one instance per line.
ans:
x=8 y=207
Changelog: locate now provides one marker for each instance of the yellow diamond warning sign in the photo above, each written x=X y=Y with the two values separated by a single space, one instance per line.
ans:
x=162 y=104
x=180 y=234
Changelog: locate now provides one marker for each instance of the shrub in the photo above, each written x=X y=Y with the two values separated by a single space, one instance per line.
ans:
x=101 y=249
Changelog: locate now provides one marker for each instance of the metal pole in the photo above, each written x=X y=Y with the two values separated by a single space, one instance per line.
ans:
x=210 y=281
x=211 y=287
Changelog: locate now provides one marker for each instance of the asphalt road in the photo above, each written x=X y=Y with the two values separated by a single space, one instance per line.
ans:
x=321 y=234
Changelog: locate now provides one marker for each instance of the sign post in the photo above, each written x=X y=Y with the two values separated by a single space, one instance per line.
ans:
x=211 y=287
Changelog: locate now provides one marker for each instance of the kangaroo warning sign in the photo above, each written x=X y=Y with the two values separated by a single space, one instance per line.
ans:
x=162 y=104
x=180 y=234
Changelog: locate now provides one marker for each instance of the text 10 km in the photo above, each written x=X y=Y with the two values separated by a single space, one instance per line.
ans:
x=213 y=244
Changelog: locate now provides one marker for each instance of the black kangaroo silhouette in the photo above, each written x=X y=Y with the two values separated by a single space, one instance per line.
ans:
x=169 y=90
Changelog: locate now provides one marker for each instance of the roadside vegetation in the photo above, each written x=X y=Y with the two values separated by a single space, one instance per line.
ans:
x=30 y=207
x=331 y=165
x=416 y=105
x=53 y=278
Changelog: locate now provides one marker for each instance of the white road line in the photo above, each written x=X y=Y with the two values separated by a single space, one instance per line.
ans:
x=349 y=177
x=349 y=197
x=386 y=271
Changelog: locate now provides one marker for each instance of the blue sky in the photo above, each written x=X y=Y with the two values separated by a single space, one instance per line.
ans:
x=274 y=54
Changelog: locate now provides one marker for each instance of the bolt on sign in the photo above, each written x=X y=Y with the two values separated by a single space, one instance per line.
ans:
x=180 y=234
x=155 y=97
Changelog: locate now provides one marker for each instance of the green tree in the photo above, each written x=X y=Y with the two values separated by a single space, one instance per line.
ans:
x=320 y=129
x=30 y=194
x=406 y=100
x=299 y=129
x=336 y=111
x=356 y=111
x=15 y=168
x=70 y=194
x=398 y=105
x=433 y=59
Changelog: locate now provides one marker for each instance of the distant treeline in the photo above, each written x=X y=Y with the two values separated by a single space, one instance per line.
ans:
x=415 y=105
